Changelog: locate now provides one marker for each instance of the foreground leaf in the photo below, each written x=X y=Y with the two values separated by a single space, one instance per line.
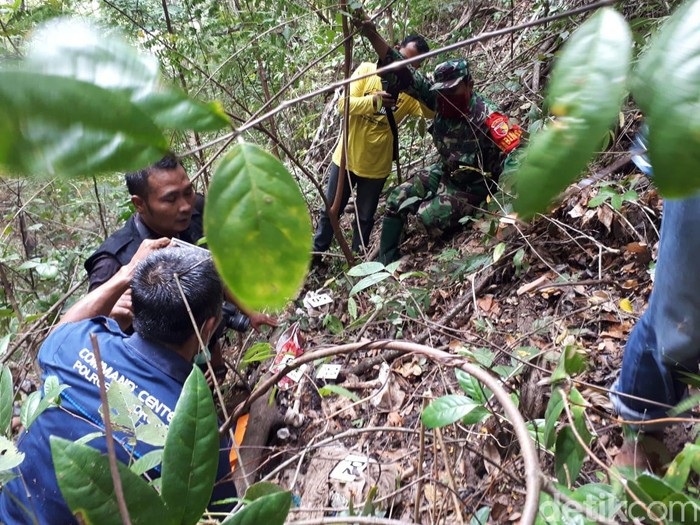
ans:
x=191 y=454
x=258 y=228
x=74 y=49
x=86 y=485
x=666 y=88
x=59 y=126
x=268 y=510
x=587 y=86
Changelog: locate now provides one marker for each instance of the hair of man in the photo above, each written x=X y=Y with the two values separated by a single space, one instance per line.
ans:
x=160 y=314
x=137 y=181
x=419 y=41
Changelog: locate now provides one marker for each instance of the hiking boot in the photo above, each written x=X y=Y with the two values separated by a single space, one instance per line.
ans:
x=643 y=452
x=390 y=238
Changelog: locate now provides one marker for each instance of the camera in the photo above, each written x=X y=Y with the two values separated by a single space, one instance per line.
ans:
x=233 y=318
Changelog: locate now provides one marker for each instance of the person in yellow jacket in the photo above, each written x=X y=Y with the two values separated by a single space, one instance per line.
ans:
x=370 y=146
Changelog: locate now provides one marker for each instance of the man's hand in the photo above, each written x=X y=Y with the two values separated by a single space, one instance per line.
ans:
x=257 y=319
x=123 y=312
x=382 y=99
x=104 y=298
x=146 y=247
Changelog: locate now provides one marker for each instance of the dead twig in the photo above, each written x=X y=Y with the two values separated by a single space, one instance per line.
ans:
x=111 y=454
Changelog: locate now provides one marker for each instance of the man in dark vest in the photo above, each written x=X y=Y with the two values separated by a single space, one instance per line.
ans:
x=166 y=206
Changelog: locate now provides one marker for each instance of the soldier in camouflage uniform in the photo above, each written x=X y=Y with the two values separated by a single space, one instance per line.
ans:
x=473 y=140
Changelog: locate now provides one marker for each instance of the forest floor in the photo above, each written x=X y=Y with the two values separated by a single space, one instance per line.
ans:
x=507 y=296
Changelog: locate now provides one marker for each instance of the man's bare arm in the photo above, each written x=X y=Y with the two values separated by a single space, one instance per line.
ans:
x=102 y=299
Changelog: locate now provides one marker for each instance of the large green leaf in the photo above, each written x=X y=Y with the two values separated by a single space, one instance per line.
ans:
x=268 y=510
x=678 y=471
x=446 y=410
x=172 y=109
x=258 y=228
x=191 y=454
x=84 y=102
x=86 y=484
x=7 y=397
x=63 y=126
x=261 y=489
x=663 y=500
x=71 y=48
x=368 y=281
x=666 y=88
x=587 y=87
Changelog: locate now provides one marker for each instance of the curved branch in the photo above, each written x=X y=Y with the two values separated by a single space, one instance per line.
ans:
x=527 y=446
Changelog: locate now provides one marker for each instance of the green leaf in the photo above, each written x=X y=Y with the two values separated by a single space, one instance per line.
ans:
x=498 y=251
x=678 y=471
x=258 y=228
x=666 y=88
x=258 y=352
x=10 y=457
x=191 y=454
x=74 y=49
x=368 y=281
x=174 y=110
x=551 y=417
x=7 y=398
x=366 y=268
x=481 y=516
x=598 y=200
x=86 y=484
x=352 y=307
x=333 y=324
x=270 y=510
x=35 y=403
x=5 y=339
x=446 y=410
x=148 y=461
x=261 y=489
x=571 y=362
x=477 y=415
x=327 y=390
x=685 y=405
x=662 y=499
x=471 y=386
x=131 y=415
x=586 y=89
x=569 y=456
x=52 y=131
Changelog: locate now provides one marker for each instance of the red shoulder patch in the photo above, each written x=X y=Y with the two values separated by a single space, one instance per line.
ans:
x=504 y=134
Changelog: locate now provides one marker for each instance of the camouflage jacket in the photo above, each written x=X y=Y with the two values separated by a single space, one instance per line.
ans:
x=465 y=145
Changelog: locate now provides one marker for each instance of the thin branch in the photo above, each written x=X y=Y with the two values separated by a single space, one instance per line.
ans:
x=398 y=65
x=18 y=344
x=111 y=454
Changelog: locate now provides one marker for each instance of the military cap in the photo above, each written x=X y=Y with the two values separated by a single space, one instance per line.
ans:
x=448 y=74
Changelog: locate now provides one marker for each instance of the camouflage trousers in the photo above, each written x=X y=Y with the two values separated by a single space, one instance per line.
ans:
x=440 y=211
